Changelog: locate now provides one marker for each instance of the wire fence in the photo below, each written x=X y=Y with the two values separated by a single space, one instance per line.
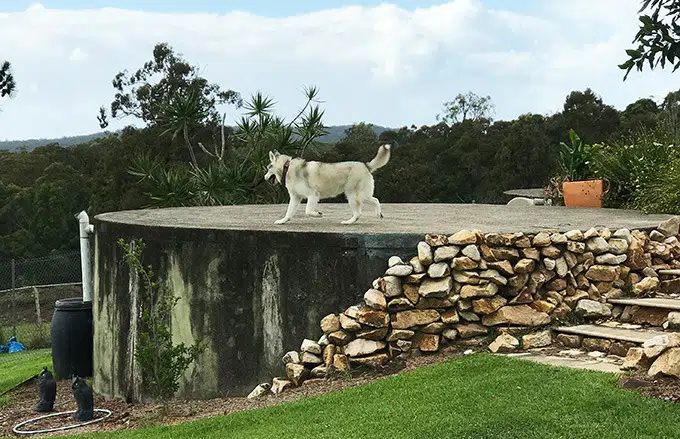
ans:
x=29 y=289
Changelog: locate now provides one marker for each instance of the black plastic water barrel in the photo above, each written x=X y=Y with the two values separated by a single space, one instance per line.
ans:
x=72 y=333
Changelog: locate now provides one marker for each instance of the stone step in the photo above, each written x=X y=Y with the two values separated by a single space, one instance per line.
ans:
x=669 y=304
x=611 y=333
x=675 y=272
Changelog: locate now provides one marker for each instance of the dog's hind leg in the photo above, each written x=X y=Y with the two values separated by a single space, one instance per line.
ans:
x=293 y=205
x=355 y=204
x=376 y=205
x=312 y=208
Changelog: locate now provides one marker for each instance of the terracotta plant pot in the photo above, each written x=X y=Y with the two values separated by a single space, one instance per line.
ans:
x=583 y=193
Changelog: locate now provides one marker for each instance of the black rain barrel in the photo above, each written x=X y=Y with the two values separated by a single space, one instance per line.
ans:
x=72 y=333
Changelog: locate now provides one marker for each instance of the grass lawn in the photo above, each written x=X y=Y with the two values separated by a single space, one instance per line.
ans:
x=479 y=396
x=17 y=367
x=28 y=334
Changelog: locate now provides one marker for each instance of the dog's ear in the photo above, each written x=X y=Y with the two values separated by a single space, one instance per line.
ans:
x=273 y=155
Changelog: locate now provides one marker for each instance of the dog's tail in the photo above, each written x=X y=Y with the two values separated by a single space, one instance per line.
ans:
x=380 y=159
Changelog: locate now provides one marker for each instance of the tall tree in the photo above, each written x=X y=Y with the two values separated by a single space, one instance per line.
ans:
x=7 y=84
x=585 y=113
x=468 y=106
x=658 y=37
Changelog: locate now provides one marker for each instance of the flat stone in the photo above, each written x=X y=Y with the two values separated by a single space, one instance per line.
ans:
x=472 y=252
x=645 y=285
x=361 y=347
x=375 y=299
x=450 y=334
x=296 y=373
x=373 y=334
x=348 y=323
x=596 y=344
x=469 y=330
x=433 y=328
x=310 y=346
x=372 y=317
x=279 y=385
x=542 y=239
x=436 y=287
x=488 y=305
x=472 y=291
x=434 y=240
x=312 y=359
x=466 y=277
x=450 y=316
x=426 y=342
x=521 y=315
x=670 y=227
x=591 y=309
x=339 y=338
x=372 y=361
x=618 y=246
x=425 y=255
x=259 y=391
x=576 y=247
x=390 y=286
x=400 y=334
x=667 y=364
x=623 y=334
x=543 y=306
x=657 y=345
x=531 y=253
x=341 y=362
x=525 y=266
x=464 y=263
x=463 y=237
x=445 y=253
x=537 y=340
x=569 y=340
x=635 y=360
x=603 y=273
x=558 y=238
x=412 y=293
x=503 y=267
x=493 y=276
x=399 y=270
x=504 y=343
x=399 y=304
x=574 y=235
x=330 y=323
x=597 y=245
x=409 y=319
x=291 y=357
x=551 y=252
x=438 y=270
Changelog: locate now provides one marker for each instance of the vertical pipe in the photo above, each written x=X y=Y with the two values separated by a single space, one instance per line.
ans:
x=85 y=230
x=14 y=305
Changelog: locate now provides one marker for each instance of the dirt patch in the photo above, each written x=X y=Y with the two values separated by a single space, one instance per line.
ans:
x=663 y=387
x=127 y=416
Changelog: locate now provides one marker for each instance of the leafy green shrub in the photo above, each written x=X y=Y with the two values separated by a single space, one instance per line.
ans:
x=661 y=193
x=576 y=158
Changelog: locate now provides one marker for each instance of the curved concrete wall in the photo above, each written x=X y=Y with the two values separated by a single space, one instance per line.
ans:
x=251 y=295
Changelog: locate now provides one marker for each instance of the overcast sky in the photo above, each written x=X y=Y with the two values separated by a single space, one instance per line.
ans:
x=389 y=63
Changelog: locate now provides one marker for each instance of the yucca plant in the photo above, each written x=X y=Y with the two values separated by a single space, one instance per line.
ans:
x=7 y=84
x=576 y=158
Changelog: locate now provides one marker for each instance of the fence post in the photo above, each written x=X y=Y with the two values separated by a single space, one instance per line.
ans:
x=14 y=305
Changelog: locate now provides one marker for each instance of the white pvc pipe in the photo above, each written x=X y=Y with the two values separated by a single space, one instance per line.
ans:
x=85 y=230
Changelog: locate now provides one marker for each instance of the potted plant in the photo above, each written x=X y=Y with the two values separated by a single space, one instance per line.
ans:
x=580 y=188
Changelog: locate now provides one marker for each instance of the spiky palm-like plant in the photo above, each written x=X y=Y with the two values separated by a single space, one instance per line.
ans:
x=7 y=84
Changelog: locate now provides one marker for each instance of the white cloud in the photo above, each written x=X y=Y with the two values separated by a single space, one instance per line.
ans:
x=381 y=64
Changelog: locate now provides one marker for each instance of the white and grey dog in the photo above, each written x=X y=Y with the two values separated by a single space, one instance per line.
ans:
x=316 y=181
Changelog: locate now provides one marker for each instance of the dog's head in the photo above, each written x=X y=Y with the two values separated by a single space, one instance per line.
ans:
x=275 y=168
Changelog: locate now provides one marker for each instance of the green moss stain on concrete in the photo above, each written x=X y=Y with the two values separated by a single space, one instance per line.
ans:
x=272 y=320
x=104 y=342
x=200 y=378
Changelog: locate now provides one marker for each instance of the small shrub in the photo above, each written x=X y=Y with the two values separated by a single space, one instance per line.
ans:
x=576 y=158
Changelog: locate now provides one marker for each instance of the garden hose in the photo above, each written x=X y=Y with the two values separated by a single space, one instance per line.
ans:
x=16 y=428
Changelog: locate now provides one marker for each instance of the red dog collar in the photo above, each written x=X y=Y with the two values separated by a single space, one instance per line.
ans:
x=285 y=172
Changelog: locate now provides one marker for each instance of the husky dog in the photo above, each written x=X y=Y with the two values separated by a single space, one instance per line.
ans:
x=316 y=181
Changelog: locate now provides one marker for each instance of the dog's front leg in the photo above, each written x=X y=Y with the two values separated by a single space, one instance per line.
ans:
x=293 y=205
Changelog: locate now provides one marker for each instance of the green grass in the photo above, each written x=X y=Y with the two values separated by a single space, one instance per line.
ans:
x=30 y=335
x=479 y=396
x=17 y=367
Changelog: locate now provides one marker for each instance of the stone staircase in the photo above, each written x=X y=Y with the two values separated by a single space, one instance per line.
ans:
x=634 y=320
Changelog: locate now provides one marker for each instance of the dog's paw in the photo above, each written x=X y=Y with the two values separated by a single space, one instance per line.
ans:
x=315 y=214
x=281 y=221
x=349 y=221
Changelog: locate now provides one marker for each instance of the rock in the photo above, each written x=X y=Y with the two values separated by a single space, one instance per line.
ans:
x=472 y=252
x=645 y=285
x=310 y=346
x=390 y=286
x=576 y=247
x=591 y=309
x=438 y=270
x=291 y=357
x=561 y=267
x=399 y=270
x=319 y=371
x=537 y=340
x=637 y=259
x=504 y=253
x=340 y=362
x=674 y=320
x=464 y=263
x=411 y=293
x=603 y=273
x=400 y=334
x=596 y=344
x=591 y=233
x=549 y=263
x=597 y=245
x=328 y=354
x=372 y=317
x=503 y=267
x=429 y=303
x=309 y=358
x=466 y=277
x=373 y=334
x=524 y=297
x=330 y=323
x=436 y=240
x=657 y=236
x=571 y=260
x=670 y=227
x=667 y=364
x=472 y=291
x=348 y=323
x=531 y=253
x=611 y=259
x=279 y=385
x=551 y=252
x=558 y=238
x=296 y=373
x=521 y=315
x=445 y=253
x=517 y=283
x=426 y=342
x=542 y=239
x=450 y=334
x=404 y=345
x=543 y=306
x=339 y=338
x=618 y=246
x=259 y=391
x=436 y=288
x=373 y=361
x=425 y=255
x=620 y=348
x=635 y=360
x=623 y=234
x=504 y=343
x=574 y=235
x=498 y=240
x=361 y=347
x=433 y=328
x=409 y=319
x=525 y=266
x=323 y=341
x=375 y=299
x=493 y=276
x=352 y=312
x=399 y=304
x=469 y=316
x=450 y=316
x=469 y=330
x=394 y=260
x=418 y=267
x=655 y=346
x=670 y=286
x=464 y=237
x=569 y=340
x=523 y=242
x=645 y=315
x=488 y=305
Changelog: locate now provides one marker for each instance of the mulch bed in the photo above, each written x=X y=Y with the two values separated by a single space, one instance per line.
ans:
x=127 y=416
x=662 y=387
